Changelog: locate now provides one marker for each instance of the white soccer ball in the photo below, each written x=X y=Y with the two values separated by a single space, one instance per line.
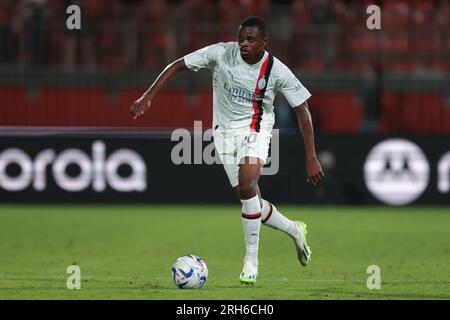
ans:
x=189 y=272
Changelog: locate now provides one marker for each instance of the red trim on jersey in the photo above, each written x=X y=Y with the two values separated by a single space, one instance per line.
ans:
x=269 y=214
x=256 y=109
x=251 y=216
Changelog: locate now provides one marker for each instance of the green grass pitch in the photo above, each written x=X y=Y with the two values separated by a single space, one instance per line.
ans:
x=126 y=252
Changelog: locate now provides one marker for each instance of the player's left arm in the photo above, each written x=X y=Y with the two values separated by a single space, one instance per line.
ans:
x=313 y=169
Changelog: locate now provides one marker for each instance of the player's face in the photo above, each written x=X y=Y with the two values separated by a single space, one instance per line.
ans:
x=251 y=44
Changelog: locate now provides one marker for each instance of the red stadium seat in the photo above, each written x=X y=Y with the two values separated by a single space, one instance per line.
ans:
x=65 y=106
x=337 y=112
x=14 y=108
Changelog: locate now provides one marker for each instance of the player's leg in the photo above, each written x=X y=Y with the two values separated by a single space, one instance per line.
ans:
x=257 y=145
x=272 y=217
x=251 y=210
x=249 y=172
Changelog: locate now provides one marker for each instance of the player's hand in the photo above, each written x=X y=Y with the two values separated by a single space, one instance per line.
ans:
x=139 y=107
x=314 y=171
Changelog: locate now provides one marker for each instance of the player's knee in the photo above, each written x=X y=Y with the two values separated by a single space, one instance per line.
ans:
x=247 y=189
x=237 y=192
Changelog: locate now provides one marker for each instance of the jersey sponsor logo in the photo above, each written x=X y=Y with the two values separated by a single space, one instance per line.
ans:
x=239 y=94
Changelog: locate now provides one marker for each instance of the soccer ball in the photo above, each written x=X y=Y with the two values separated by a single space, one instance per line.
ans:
x=189 y=272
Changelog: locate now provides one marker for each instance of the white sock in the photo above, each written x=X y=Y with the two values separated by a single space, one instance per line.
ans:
x=251 y=223
x=271 y=217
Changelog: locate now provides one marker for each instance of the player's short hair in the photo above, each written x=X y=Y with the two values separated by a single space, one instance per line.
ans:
x=254 y=21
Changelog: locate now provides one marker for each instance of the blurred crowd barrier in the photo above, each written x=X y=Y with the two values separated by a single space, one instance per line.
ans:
x=333 y=111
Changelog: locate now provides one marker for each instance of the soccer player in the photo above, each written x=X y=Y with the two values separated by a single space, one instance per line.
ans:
x=245 y=80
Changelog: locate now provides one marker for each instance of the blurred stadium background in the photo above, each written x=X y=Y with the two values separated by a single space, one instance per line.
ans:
x=65 y=88
x=381 y=109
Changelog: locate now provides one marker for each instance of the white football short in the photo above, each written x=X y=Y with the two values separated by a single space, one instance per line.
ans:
x=233 y=148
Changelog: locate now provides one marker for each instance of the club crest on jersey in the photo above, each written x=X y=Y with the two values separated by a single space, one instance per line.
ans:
x=262 y=83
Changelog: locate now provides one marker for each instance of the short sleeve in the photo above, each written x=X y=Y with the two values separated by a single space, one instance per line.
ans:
x=203 y=58
x=292 y=89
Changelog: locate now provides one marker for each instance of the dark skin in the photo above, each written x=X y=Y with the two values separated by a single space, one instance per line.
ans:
x=143 y=103
x=251 y=45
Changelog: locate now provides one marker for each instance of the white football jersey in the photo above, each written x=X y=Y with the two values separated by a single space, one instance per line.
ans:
x=239 y=86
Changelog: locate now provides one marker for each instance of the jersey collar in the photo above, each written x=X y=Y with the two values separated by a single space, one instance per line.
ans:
x=255 y=65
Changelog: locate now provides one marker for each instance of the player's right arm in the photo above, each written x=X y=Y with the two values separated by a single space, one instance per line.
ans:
x=143 y=103
x=202 y=58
